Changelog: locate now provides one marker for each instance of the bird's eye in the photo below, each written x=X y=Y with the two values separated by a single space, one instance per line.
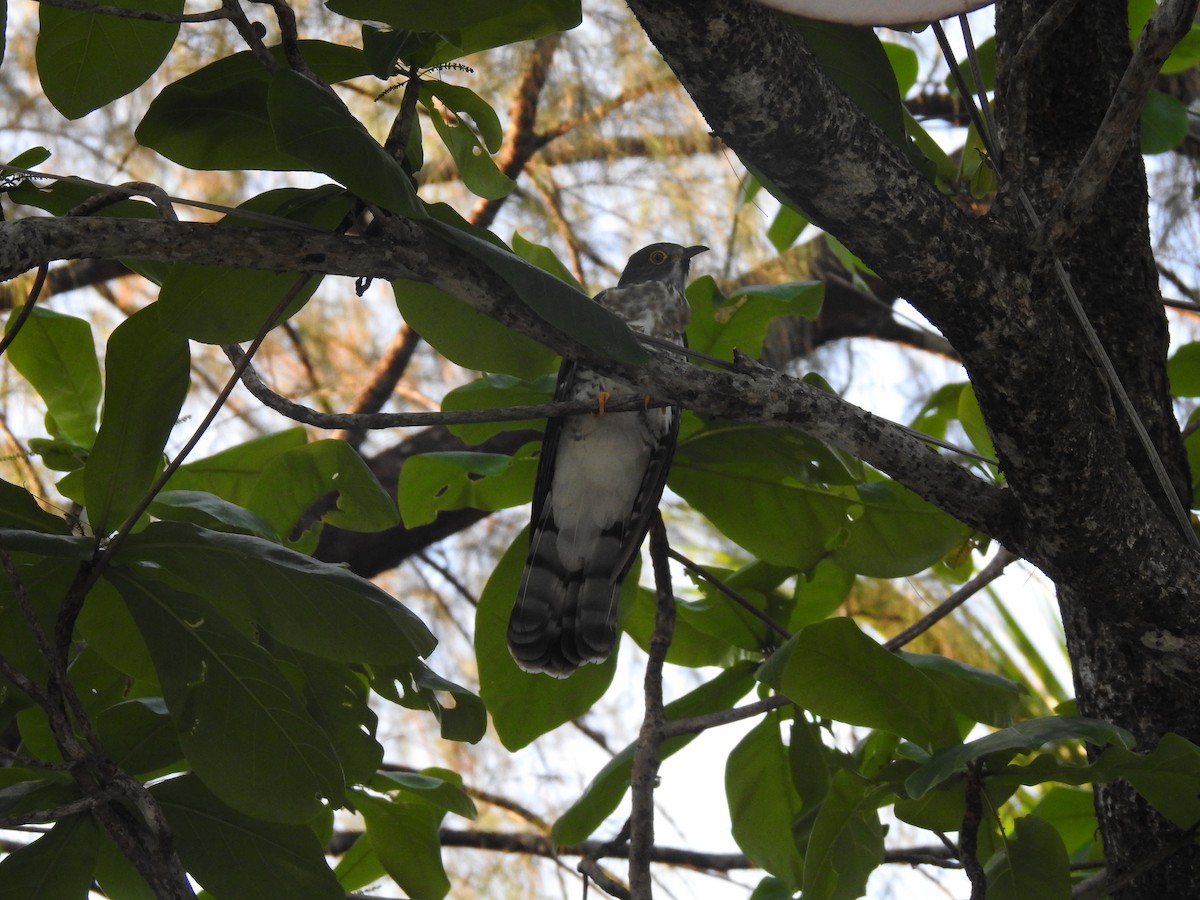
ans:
x=658 y=257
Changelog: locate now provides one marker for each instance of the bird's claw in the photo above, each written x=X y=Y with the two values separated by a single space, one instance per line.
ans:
x=602 y=402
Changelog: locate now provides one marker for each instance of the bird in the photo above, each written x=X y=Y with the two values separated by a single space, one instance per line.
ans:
x=600 y=477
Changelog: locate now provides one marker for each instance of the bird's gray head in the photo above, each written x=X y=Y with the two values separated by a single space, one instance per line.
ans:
x=667 y=263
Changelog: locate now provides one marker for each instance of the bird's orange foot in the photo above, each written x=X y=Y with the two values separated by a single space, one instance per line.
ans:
x=602 y=402
x=647 y=400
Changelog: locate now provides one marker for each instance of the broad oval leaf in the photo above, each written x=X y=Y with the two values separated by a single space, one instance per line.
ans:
x=242 y=858
x=1032 y=865
x=86 y=59
x=846 y=844
x=316 y=607
x=404 y=836
x=241 y=724
x=148 y=373
x=833 y=669
x=313 y=124
x=217 y=117
x=56 y=355
x=232 y=473
x=432 y=482
x=56 y=866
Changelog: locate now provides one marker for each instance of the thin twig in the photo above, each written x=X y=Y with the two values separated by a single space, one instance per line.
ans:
x=697 y=724
x=702 y=573
x=990 y=573
x=35 y=291
x=644 y=769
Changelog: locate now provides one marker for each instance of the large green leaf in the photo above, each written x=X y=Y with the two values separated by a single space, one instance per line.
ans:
x=753 y=484
x=763 y=803
x=19 y=509
x=720 y=325
x=897 y=534
x=210 y=511
x=324 y=481
x=217 y=118
x=496 y=392
x=240 y=722
x=56 y=355
x=1072 y=812
x=232 y=473
x=432 y=482
x=57 y=866
x=833 y=669
x=978 y=695
x=315 y=607
x=86 y=60
x=1032 y=865
x=1169 y=777
x=1003 y=745
x=525 y=706
x=238 y=857
x=139 y=736
x=404 y=836
x=608 y=788
x=1164 y=123
x=313 y=124
x=148 y=372
x=483 y=24
x=846 y=844
x=465 y=336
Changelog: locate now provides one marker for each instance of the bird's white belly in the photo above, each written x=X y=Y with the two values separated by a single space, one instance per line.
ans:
x=601 y=462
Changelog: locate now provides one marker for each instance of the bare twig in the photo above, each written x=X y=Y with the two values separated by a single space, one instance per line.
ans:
x=644 y=770
x=968 y=837
x=388 y=372
x=700 y=572
x=990 y=573
x=27 y=310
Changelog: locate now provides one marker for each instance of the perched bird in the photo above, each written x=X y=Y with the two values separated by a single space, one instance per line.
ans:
x=599 y=480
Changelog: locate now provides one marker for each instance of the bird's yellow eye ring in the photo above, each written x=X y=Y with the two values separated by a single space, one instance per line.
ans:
x=658 y=257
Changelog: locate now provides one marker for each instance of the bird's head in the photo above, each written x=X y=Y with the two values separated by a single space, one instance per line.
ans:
x=664 y=262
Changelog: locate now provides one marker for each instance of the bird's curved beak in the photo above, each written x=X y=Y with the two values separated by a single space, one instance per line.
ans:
x=689 y=252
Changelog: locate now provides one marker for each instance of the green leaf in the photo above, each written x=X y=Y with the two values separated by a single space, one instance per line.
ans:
x=19 y=509
x=1032 y=865
x=1183 y=368
x=749 y=481
x=608 y=788
x=544 y=259
x=210 y=511
x=978 y=695
x=148 y=373
x=786 y=227
x=217 y=118
x=85 y=60
x=763 y=804
x=359 y=866
x=971 y=417
x=232 y=473
x=404 y=835
x=314 y=125
x=555 y=302
x=139 y=736
x=1184 y=55
x=324 y=481
x=495 y=392
x=1003 y=745
x=475 y=165
x=57 y=866
x=313 y=606
x=241 y=724
x=462 y=717
x=467 y=26
x=56 y=355
x=525 y=706
x=834 y=670
x=428 y=788
x=905 y=67
x=34 y=156
x=1169 y=777
x=720 y=325
x=432 y=482
x=238 y=857
x=1164 y=123
x=465 y=336
x=337 y=698
x=116 y=875
x=109 y=630
x=898 y=533
x=846 y=844
x=1072 y=812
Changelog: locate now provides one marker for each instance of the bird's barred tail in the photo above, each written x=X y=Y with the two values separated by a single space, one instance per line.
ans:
x=566 y=618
